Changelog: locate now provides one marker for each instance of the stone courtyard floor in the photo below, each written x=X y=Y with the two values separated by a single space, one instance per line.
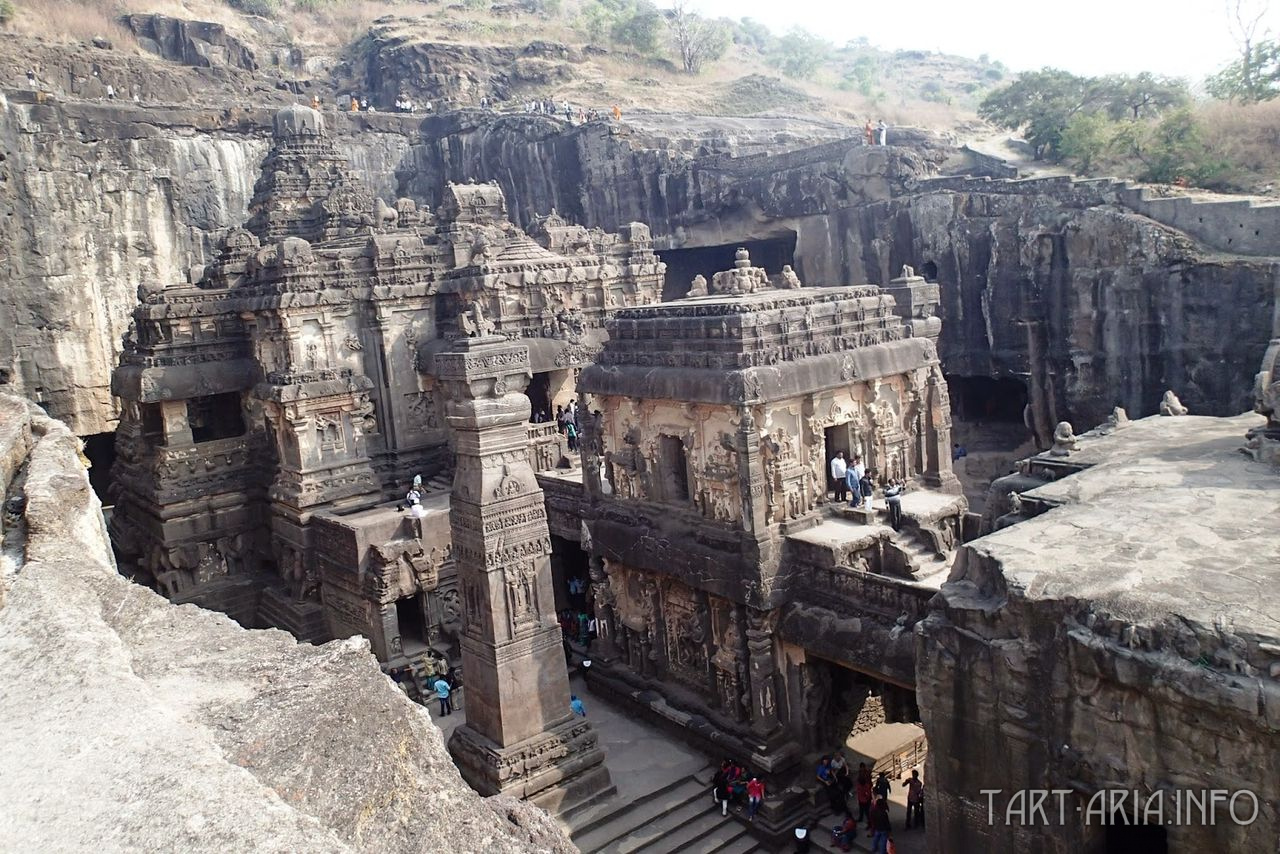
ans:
x=663 y=802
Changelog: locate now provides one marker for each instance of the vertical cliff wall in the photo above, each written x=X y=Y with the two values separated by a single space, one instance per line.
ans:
x=1054 y=282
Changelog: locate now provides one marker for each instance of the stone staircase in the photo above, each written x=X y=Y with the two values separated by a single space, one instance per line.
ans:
x=679 y=817
x=920 y=556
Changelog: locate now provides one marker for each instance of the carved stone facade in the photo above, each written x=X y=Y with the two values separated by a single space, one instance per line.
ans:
x=724 y=578
x=520 y=736
x=276 y=409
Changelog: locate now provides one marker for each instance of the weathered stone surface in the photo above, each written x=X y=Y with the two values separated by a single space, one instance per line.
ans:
x=134 y=724
x=1124 y=638
x=197 y=43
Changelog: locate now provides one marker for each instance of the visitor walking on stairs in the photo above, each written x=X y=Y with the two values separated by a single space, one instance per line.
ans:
x=755 y=795
x=720 y=788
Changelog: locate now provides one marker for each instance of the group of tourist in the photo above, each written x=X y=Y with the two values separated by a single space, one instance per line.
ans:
x=853 y=482
x=436 y=676
x=733 y=784
x=579 y=627
x=583 y=115
x=877 y=134
x=872 y=797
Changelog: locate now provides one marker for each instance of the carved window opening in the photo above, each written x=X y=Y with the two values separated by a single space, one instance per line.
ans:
x=215 y=416
x=152 y=423
x=674 y=463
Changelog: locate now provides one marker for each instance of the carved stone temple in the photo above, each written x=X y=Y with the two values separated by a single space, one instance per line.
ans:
x=520 y=737
x=342 y=351
x=278 y=406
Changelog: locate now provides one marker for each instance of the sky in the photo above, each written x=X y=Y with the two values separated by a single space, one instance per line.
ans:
x=1182 y=38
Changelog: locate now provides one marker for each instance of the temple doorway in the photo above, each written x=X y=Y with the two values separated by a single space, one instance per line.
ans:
x=412 y=623
x=840 y=438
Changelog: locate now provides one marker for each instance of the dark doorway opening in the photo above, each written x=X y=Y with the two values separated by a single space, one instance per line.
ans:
x=675 y=469
x=988 y=399
x=101 y=451
x=930 y=271
x=1136 y=839
x=570 y=576
x=413 y=624
x=539 y=393
x=683 y=264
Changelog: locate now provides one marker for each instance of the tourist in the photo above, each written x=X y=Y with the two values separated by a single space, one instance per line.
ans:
x=31 y=78
x=915 y=799
x=802 y=840
x=315 y=102
x=576 y=705
x=882 y=786
x=355 y=105
x=853 y=480
x=893 y=499
x=840 y=768
x=838 y=471
x=842 y=836
x=111 y=92
x=755 y=795
x=364 y=104
x=862 y=791
x=560 y=420
x=871 y=139
x=582 y=628
x=835 y=796
x=868 y=487
x=571 y=431
x=883 y=130
x=617 y=113
x=720 y=787
x=880 y=827
x=443 y=692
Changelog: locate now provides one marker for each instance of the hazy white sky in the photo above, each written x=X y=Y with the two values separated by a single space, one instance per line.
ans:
x=1187 y=38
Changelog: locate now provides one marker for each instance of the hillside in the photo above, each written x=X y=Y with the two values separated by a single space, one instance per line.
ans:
x=453 y=54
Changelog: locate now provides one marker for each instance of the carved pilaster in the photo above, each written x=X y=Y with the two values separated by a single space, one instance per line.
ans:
x=763 y=669
x=520 y=737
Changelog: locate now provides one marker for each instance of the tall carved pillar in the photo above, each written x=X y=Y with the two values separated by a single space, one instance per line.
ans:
x=937 y=469
x=520 y=737
x=764 y=676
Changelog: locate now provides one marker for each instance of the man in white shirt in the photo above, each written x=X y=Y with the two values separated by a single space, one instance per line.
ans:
x=838 y=469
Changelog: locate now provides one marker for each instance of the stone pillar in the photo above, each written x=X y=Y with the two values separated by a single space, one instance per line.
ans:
x=604 y=647
x=937 y=459
x=520 y=737
x=764 y=677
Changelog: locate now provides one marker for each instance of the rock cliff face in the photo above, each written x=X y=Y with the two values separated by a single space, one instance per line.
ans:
x=132 y=724
x=1054 y=282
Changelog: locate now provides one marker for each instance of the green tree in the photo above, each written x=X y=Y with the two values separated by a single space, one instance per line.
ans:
x=1173 y=149
x=862 y=75
x=755 y=34
x=639 y=27
x=1252 y=78
x=800 y=53
x=1040 y=103
x=1142 y=95
x=7 y=12
x=1086 y=138
x=697 y=40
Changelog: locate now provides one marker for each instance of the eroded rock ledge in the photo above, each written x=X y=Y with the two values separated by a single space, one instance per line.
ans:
x=133 y=724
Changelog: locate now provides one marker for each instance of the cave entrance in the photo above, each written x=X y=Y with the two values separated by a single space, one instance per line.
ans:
x=987 y=430
x=547 y=390
x=100 y=448
x=683 y=264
